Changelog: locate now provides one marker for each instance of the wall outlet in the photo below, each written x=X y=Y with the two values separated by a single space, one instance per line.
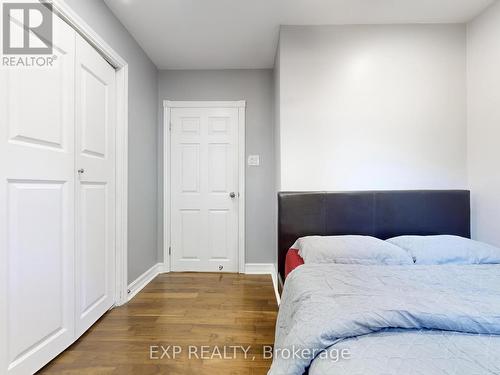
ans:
x=254 y=160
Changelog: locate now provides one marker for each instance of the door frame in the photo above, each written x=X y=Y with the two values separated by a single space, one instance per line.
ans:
x=67 y=14
x=167 y=107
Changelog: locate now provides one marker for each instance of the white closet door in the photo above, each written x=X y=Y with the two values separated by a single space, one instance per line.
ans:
x=37 y=209
x=95 y=185
x=204 y=189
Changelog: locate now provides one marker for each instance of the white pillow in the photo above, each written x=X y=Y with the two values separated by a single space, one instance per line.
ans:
x=447 y=250
x=350 y=250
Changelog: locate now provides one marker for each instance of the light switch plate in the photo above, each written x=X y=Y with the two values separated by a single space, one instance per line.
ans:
x=254 y=160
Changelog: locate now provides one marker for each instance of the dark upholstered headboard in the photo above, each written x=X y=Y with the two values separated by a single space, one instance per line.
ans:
x=382 y=214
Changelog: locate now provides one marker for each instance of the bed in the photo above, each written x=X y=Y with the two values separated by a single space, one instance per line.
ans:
x=390 y=319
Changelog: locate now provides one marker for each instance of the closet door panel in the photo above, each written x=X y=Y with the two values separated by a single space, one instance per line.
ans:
x=37 y=209
x=95 y=158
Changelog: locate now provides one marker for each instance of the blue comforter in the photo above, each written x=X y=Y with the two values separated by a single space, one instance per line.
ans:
x=390 y=316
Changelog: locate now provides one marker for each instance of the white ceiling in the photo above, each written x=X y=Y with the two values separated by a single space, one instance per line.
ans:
x=225 y=34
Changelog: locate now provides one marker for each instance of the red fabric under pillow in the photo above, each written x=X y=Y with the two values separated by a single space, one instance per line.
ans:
x=292 y=261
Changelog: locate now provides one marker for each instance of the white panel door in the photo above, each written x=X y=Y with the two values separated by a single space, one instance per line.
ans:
x=37 y=209
x=95 y=191
x=204 y=189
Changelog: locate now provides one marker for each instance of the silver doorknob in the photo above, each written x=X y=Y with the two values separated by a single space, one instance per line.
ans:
x=81 y=171
x=232 y=195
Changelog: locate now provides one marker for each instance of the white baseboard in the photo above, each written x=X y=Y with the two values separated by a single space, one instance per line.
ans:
x=259 y=268
x=138 y=284
x=265 y=269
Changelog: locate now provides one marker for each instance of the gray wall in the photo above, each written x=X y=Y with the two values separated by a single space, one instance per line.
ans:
x=256 y=87
x=143 y=120
x=483 y=152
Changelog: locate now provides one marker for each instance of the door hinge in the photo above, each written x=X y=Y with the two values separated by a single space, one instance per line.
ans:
x=169 y=250
x=170 y=126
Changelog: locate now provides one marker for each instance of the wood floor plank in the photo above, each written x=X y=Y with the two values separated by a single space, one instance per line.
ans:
x=186 y=310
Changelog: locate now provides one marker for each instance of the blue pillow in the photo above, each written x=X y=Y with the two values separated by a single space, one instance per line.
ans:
x=447 y=250
x=350 y=250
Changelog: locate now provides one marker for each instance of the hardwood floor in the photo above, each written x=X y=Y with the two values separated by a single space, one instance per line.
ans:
x=201 y=313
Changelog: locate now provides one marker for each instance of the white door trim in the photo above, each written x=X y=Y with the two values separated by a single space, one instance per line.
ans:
x=65 y=12
x=204 y=104
x=167 y=106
